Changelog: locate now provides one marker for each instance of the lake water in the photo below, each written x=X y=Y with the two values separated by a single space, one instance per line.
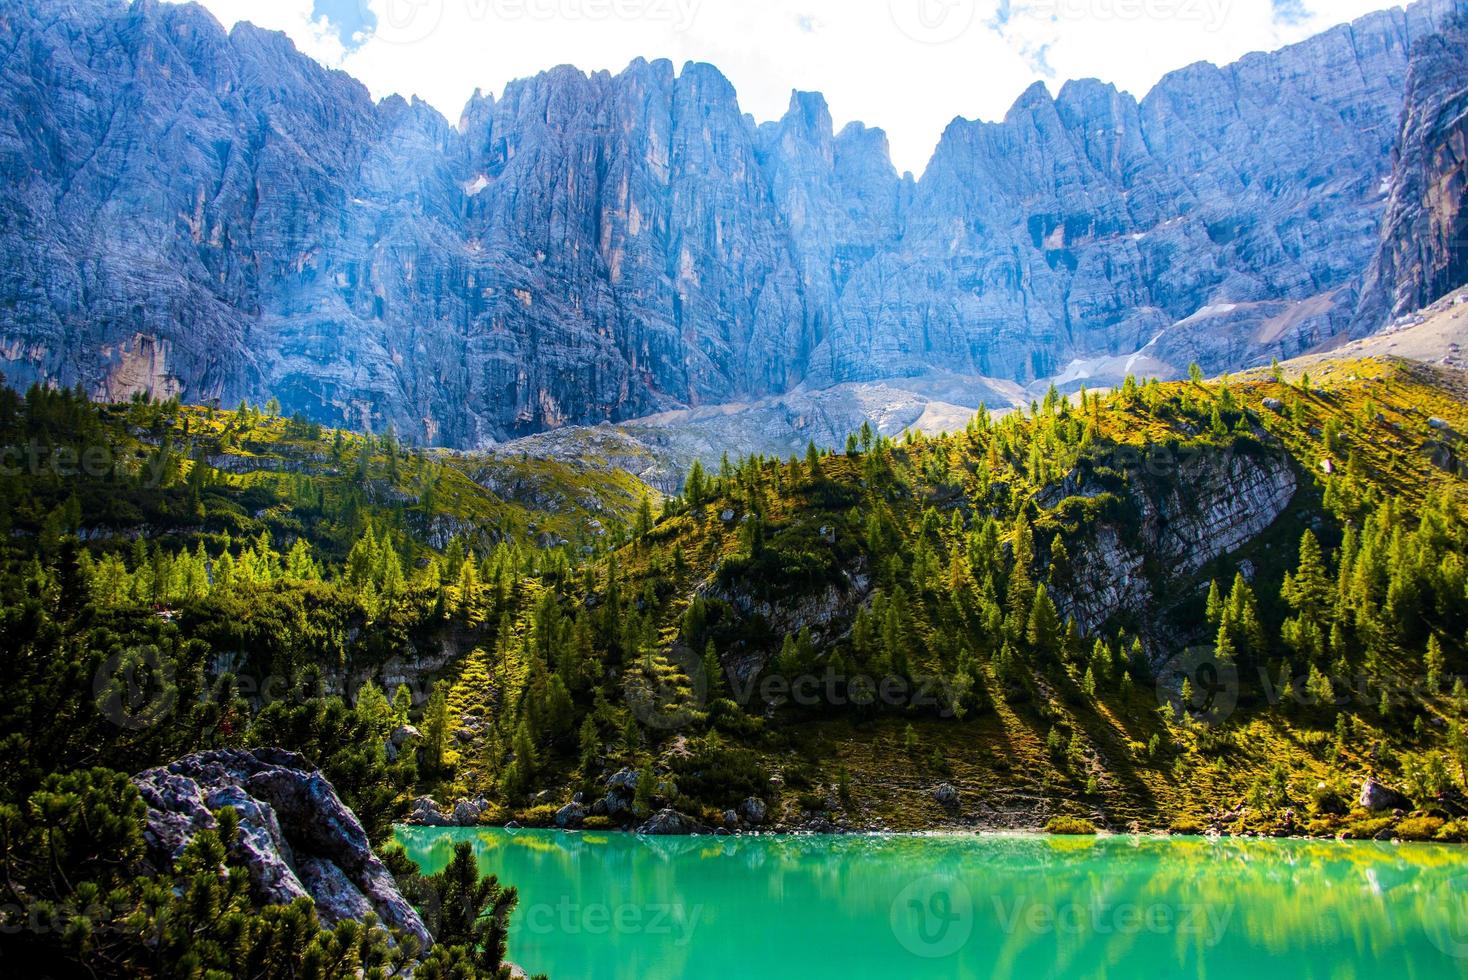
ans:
x=596 y=905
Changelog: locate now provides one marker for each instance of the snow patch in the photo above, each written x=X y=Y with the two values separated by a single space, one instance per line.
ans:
x=1218 y=309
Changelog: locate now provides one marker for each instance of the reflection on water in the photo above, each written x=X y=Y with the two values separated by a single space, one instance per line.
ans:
x=615 y=905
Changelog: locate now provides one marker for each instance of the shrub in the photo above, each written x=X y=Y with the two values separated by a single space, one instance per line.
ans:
x=1070 y=827
x=1330 y=798
x=1419 y=828
x=1187 y=827
x=1453 y=832
x=1366 y=829
x=598 y=821
x=813 y=802
x=538 y=816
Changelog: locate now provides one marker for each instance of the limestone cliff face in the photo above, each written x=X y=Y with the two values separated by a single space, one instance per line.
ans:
x=211 y=214
x=1195 y=509
x=1424 y=237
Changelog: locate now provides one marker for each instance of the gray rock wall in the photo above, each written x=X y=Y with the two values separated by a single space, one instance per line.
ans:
x=212 y=214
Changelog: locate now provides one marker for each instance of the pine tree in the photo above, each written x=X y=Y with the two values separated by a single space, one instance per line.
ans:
x=714 y=672
x=436 y=728
x=473 y=912
x=1434 y=662
x=590 y=746
x=1043 y=631
x=1215 y=604
x=402 y=704
x=642 y=796
x=373 y=710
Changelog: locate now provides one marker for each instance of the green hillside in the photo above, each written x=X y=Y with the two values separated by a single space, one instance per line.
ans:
x=1192 y=606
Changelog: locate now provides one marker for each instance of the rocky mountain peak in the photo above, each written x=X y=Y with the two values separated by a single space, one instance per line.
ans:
x=592 y=247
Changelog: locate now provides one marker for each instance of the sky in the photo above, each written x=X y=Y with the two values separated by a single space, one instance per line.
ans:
x=906 y=66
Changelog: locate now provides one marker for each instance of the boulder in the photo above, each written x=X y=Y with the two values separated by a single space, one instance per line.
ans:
x=425 y=812
x=1378 y=798
x=297 y=839
x=468 y=812
x=401 y=737
x=623 y=780
x=946 y=795
x=753 y=811
x=570 y=815
x=671 y=823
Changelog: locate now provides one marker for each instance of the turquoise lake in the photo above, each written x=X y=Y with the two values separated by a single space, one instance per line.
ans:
x=595 y=905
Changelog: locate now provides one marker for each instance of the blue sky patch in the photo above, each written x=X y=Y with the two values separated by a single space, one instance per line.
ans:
x=350 y=19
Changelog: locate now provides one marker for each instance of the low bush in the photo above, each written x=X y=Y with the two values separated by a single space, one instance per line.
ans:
x=1419 y=828
x=1070 y=827
x=538 y=816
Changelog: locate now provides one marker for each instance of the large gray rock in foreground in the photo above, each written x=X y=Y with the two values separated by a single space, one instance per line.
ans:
x=296 y=837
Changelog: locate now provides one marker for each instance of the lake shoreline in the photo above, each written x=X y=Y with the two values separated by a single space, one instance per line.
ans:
x=946 y=832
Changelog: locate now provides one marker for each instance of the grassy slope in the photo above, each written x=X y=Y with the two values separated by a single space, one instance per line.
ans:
x=999 y=760
x=258 y=466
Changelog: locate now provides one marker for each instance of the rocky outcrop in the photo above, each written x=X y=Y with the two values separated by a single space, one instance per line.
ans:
x=671 y=823
x=1378 y=798
x=425 y=812
x=1178 y=512
x=296 y=837
x=1424 y=237
x=753 y=811
x=571 y=815
x=212 y=214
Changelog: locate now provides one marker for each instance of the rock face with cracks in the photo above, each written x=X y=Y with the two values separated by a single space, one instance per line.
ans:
x=296 y=837
x=209 y=213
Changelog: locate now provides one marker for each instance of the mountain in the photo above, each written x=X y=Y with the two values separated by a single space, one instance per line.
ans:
x=1424 y=248
x=214 y=215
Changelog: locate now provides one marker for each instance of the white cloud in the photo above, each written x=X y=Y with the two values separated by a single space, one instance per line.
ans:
x=908 y=66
